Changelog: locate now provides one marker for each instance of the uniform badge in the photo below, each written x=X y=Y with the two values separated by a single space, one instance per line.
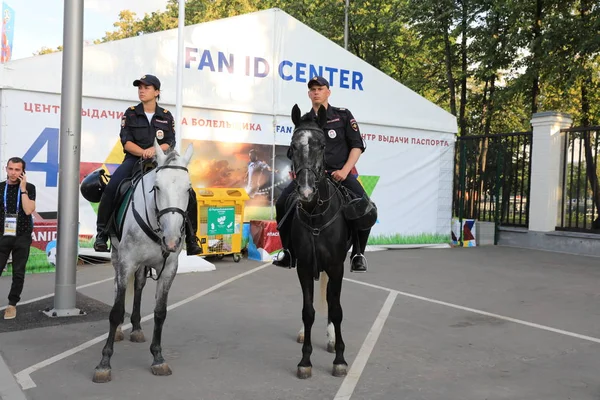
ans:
x=353 y=124
x=160 y=134
x=123 y=122
x=332 y=134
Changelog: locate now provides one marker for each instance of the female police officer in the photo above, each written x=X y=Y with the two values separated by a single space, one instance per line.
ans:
x=139 y=126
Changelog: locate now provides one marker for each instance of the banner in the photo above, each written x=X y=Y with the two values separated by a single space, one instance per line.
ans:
x=407 y=172
x=8 y=32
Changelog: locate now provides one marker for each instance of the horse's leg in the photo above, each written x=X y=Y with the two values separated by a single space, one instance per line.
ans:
x=330 y=336
x=300 y=337
x=159 y=366
x=137 y=335
x=102 y=373
x=308 y=317
x=334 y=289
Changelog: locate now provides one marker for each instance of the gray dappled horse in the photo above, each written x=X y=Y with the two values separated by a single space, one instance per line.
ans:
x=159 y=200
x=320 y=233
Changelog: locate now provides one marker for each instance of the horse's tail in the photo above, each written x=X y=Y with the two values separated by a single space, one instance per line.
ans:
x=129 y=292
x=321 y=302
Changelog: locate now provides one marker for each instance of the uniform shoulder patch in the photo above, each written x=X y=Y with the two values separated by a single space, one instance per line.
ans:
x=132 y=108
x=165 y=111
x=354 y=124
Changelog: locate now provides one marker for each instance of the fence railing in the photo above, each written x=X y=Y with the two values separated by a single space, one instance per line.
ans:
x=581 y=195
x=492 y=178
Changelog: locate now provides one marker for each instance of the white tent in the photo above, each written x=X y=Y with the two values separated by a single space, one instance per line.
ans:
x=241 y=78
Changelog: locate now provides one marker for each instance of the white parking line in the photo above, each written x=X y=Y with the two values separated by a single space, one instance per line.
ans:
x=481 y=312
x=52 y=294
x=349 y=384
x=24 y=377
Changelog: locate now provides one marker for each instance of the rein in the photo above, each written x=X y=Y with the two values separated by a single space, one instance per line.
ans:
x=153 y=234
x=316 y=231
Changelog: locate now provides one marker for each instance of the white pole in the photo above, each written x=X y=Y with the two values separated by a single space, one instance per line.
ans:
x=179 y=88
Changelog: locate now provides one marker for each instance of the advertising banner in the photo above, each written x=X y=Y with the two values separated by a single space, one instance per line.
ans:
x=8 y=32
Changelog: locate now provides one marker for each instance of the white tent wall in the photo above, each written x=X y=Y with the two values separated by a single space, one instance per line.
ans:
x=241 y=78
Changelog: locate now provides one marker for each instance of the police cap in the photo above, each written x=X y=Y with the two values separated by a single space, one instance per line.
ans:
x=319 y=81
x=150 y=80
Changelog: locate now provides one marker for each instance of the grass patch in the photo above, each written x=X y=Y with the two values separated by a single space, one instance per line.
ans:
x=258 y=213
x=423 y=238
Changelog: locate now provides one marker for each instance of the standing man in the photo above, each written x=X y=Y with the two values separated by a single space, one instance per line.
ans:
x=343 y=148
x=18 y=202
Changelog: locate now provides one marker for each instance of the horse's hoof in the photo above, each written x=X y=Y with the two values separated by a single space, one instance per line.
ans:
x=119 y=335
x=101 y=376
x=161 y=369
x=300 y=338
x=137 y=337
x=339 y=370
x=304 y=372
x=331 y=347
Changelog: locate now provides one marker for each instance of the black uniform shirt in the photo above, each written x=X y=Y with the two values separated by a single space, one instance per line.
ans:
x=341 y=135
x=24 y=221
x=135 y=128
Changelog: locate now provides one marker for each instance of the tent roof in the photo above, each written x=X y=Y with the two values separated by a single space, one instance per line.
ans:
x=254 y=63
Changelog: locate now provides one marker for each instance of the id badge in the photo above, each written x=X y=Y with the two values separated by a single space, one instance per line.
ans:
x=10 y=225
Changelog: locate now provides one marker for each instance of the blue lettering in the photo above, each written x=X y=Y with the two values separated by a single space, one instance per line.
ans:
x=223 y=62
x=188 y=56
x=357 y=79
x=344 y=78
x=288 y=129
x=300 y=71
x=331 y=71
x=285 y=63
x=314 y=72
x=48 y=136
x=257 y=62
x=206 y=61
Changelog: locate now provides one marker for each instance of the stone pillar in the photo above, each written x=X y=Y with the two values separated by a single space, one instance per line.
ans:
x=547 y=160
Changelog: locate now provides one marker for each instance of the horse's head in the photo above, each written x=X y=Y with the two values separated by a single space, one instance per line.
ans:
x=171 y=196
x=308 y=151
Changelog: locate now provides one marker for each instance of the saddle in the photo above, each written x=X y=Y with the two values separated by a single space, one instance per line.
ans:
x=124 y=195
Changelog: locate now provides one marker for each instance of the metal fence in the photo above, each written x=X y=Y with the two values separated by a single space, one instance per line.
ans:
x=492 y=178
x=581 y=196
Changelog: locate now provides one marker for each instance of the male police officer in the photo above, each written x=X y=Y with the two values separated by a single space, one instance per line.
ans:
x=343 y=148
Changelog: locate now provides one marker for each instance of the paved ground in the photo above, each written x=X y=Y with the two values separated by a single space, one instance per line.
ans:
x=435 y=324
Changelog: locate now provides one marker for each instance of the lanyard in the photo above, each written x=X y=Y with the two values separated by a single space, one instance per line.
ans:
x=18 y=199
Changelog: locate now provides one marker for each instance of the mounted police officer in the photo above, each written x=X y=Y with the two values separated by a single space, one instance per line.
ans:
x=140 y=125
x=344 y=146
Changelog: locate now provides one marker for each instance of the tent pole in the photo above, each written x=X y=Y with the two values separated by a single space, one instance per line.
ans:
x=346 y=24
x=179 y=88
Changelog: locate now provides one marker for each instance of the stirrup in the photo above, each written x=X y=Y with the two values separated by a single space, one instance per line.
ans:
x=364 y=262
x=281 y=259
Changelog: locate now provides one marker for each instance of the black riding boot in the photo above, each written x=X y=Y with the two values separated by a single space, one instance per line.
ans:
x=104 y=211
x=358 y=261
x=191 y=240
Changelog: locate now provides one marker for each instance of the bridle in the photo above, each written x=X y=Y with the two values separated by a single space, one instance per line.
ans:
x=317 y=173
x=160 y=213
x=304 y=217
x=156 y=234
